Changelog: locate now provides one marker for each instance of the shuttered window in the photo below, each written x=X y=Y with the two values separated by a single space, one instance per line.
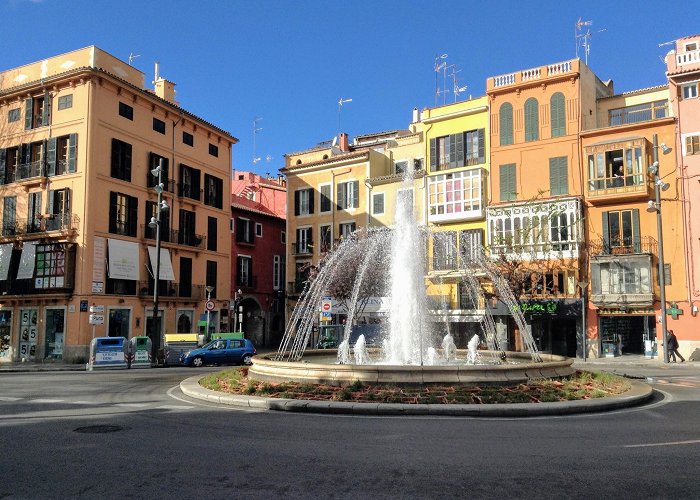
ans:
x=558 y=176
x=505 y=119
x=532 y=121
x=121 y=160
x=557 y=114
x=507 y=182
x=304 y=201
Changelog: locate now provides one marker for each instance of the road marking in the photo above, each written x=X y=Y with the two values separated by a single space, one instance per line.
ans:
x=671 y=443
x=9 y=398
x=175 y=407
x=46 y=400
x=131 y=405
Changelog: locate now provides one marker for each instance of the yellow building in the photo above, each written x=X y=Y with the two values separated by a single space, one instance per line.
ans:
x=79 y=136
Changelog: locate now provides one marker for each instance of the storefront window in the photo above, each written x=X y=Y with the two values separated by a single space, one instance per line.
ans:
x=119 y=322
x=55 y=333
x=28 y=333
x=5 y=335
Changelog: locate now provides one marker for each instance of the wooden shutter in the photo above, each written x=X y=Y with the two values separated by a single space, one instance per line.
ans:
x=133 y=214
x=196 y=183
x=212 y=234
x=51 y=157
x=112 y=212
x=452 y=148
x=482 y=145
x=297 y=210
x=311 y=200
x=115 y=159
x=507 y=182
x=557 y=114
x=341 y=196
x=52 y=201
x=531 y=120
x=356 y=194
x=506 y=124
x=636 y=238
x=127 y=162
x=459 y=149
x=433 y=155
x=28 y=112
x=72 y=150
x=606 y=233
x=46 y=111
x=3 y=159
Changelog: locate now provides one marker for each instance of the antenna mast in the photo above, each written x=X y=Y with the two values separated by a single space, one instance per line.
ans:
x=256 y=129
x=341 y=101
x=439 y=65
x=133 y=56
x=584 y=39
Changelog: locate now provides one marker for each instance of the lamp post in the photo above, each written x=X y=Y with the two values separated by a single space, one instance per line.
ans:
x=155 y=223
x=583 y=285
x=655 y=206
x=209 y=289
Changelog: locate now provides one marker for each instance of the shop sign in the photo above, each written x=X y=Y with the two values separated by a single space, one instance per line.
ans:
x=626 y=312
x=540 y=307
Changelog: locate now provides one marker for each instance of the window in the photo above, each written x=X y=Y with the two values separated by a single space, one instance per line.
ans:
x=457 y=150
x=559 y=231
x=348 y=195
x=213 y=191
x=326 y=238
x=211 y=277
x=37 y=111
x=444 y=250
x=616 y=168
x=51 y=267
x=189 y=182
x=346 y=229
x=471 y=245
x=557 y=113
x=621 y=232
x=13 y=115
x=187 y=138
x=507 y=182
x=276 y=272
x=505 y=119
x=558 y=176
x=283 y=237
x=34 y=212
x=628 y=275
x=532 y=120
x=59 y=210
x=65 y=102
x=214 y=150
x=304 y=201
x=121 y=160
x=150 y=232
x=400 y=167
x=185 y=277
x=258 y=230
x=692 y=145
x=187 y=229
x=154 y=160
x=244 y=231
x=690 y=90
x=123 y=211
x=418 y=164
x=126 y=111
x=378 y=203
x=455 y=196
x=212 y=233
x=9 y=163
x=325 y=190
x=638 y=113
x=61 y=154
x=159 y=126
x=9 y=214
x=304 y=242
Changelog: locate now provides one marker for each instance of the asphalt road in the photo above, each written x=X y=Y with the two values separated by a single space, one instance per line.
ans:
x=133 y=434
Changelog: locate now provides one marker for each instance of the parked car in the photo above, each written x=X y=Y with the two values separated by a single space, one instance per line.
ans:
x=221 y=352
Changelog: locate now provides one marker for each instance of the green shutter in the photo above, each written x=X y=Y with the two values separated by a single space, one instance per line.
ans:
x=452 y=147
x=46 y=112
x=531 y=120
x=433 y=155
x=606 y=234
x=72 y=149
x=558 y=176
x=43 y=158
x=3 y=159
x=51 y=157
x=506 y=123
x=459 y=149
x=482 y=145
x=28 y=112
x=636 y=239
x=356 y=191
x=557 y=114
x=52 y=200
x=507 y=182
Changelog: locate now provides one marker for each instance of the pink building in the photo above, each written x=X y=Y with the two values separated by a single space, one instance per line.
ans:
x=258 y=241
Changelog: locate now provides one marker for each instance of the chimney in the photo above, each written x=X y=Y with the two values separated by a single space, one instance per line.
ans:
x=164 y=89
x=416 y=116
x=343 y=142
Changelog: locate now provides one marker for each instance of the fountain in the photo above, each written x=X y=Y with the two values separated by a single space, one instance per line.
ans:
x=390 y=263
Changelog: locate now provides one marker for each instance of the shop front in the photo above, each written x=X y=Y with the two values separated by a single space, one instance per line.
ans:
x=626 y=331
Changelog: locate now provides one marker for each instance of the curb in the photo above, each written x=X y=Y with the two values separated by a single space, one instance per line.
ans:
x=637 y=395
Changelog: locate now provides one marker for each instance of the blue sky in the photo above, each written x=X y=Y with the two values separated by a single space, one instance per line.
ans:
x=290 y=62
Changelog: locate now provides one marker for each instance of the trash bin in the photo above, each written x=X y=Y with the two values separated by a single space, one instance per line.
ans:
x=108 y=353
x=140 y=352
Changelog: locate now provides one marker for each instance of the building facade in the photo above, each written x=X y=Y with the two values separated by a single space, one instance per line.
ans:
x=79 y=136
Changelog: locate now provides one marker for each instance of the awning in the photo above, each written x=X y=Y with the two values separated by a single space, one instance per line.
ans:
x=26 y=262
x=165 y=271
x=123 y=260
x=5 y=256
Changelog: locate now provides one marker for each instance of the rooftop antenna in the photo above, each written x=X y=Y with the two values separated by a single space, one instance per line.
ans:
x=268 y=158
x=584 y=39
x=256 y=129
x=341 y=101
x=456 y=89
x=133 y=56
x=440 y=65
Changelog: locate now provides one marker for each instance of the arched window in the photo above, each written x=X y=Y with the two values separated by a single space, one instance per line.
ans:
x=505 y=118
x=532 y=121
x=557 y=114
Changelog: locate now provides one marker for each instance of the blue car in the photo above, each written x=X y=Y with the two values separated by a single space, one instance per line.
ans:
x=221 y=352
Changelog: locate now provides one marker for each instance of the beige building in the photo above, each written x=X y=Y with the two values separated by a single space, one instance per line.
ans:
x=79 y=136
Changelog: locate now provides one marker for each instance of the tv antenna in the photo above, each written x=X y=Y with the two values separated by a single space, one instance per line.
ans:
x=440 y=65
x=133 y=56
x=256 y=129
x=584 y=39
x=456 y=89
x=341 y=101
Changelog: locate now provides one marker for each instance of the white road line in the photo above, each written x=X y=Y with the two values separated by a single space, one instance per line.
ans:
x=175 y=407
x=131 y=405
x=46 y=400
x=9 y=398
x=672 y=443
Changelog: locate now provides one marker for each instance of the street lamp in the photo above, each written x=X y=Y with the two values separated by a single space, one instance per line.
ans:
x=155 y=224
x=655 y=206
x=583 y=285
x=209 y=289
x=236 y=298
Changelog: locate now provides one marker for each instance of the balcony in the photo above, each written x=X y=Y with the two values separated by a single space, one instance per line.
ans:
x=149 y=233
x=189 y=191
x=532 y=74
x=302 y=249
x=29 y=170
x=628 y=187
x=623 y=246
x=638 y=113
x=169 y=185
x=187 y=238
x=172 y=290
x=622 y=281
x=690 y=57
x=36 y=227
x=247 y=283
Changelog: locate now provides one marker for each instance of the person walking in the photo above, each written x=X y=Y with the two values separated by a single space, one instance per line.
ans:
x=673 y=346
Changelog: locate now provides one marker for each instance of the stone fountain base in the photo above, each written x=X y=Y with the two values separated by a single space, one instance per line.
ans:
x=317 y=367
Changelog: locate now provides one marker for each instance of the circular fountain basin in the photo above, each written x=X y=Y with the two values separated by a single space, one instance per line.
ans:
x=320 y=367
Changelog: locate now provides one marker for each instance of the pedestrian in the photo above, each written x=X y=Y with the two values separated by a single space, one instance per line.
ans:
x=673 y=346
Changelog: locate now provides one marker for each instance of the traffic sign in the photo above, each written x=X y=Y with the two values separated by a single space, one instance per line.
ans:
x=209 y=306
x=326 y=304
x=97 y=309
x=97 y=319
